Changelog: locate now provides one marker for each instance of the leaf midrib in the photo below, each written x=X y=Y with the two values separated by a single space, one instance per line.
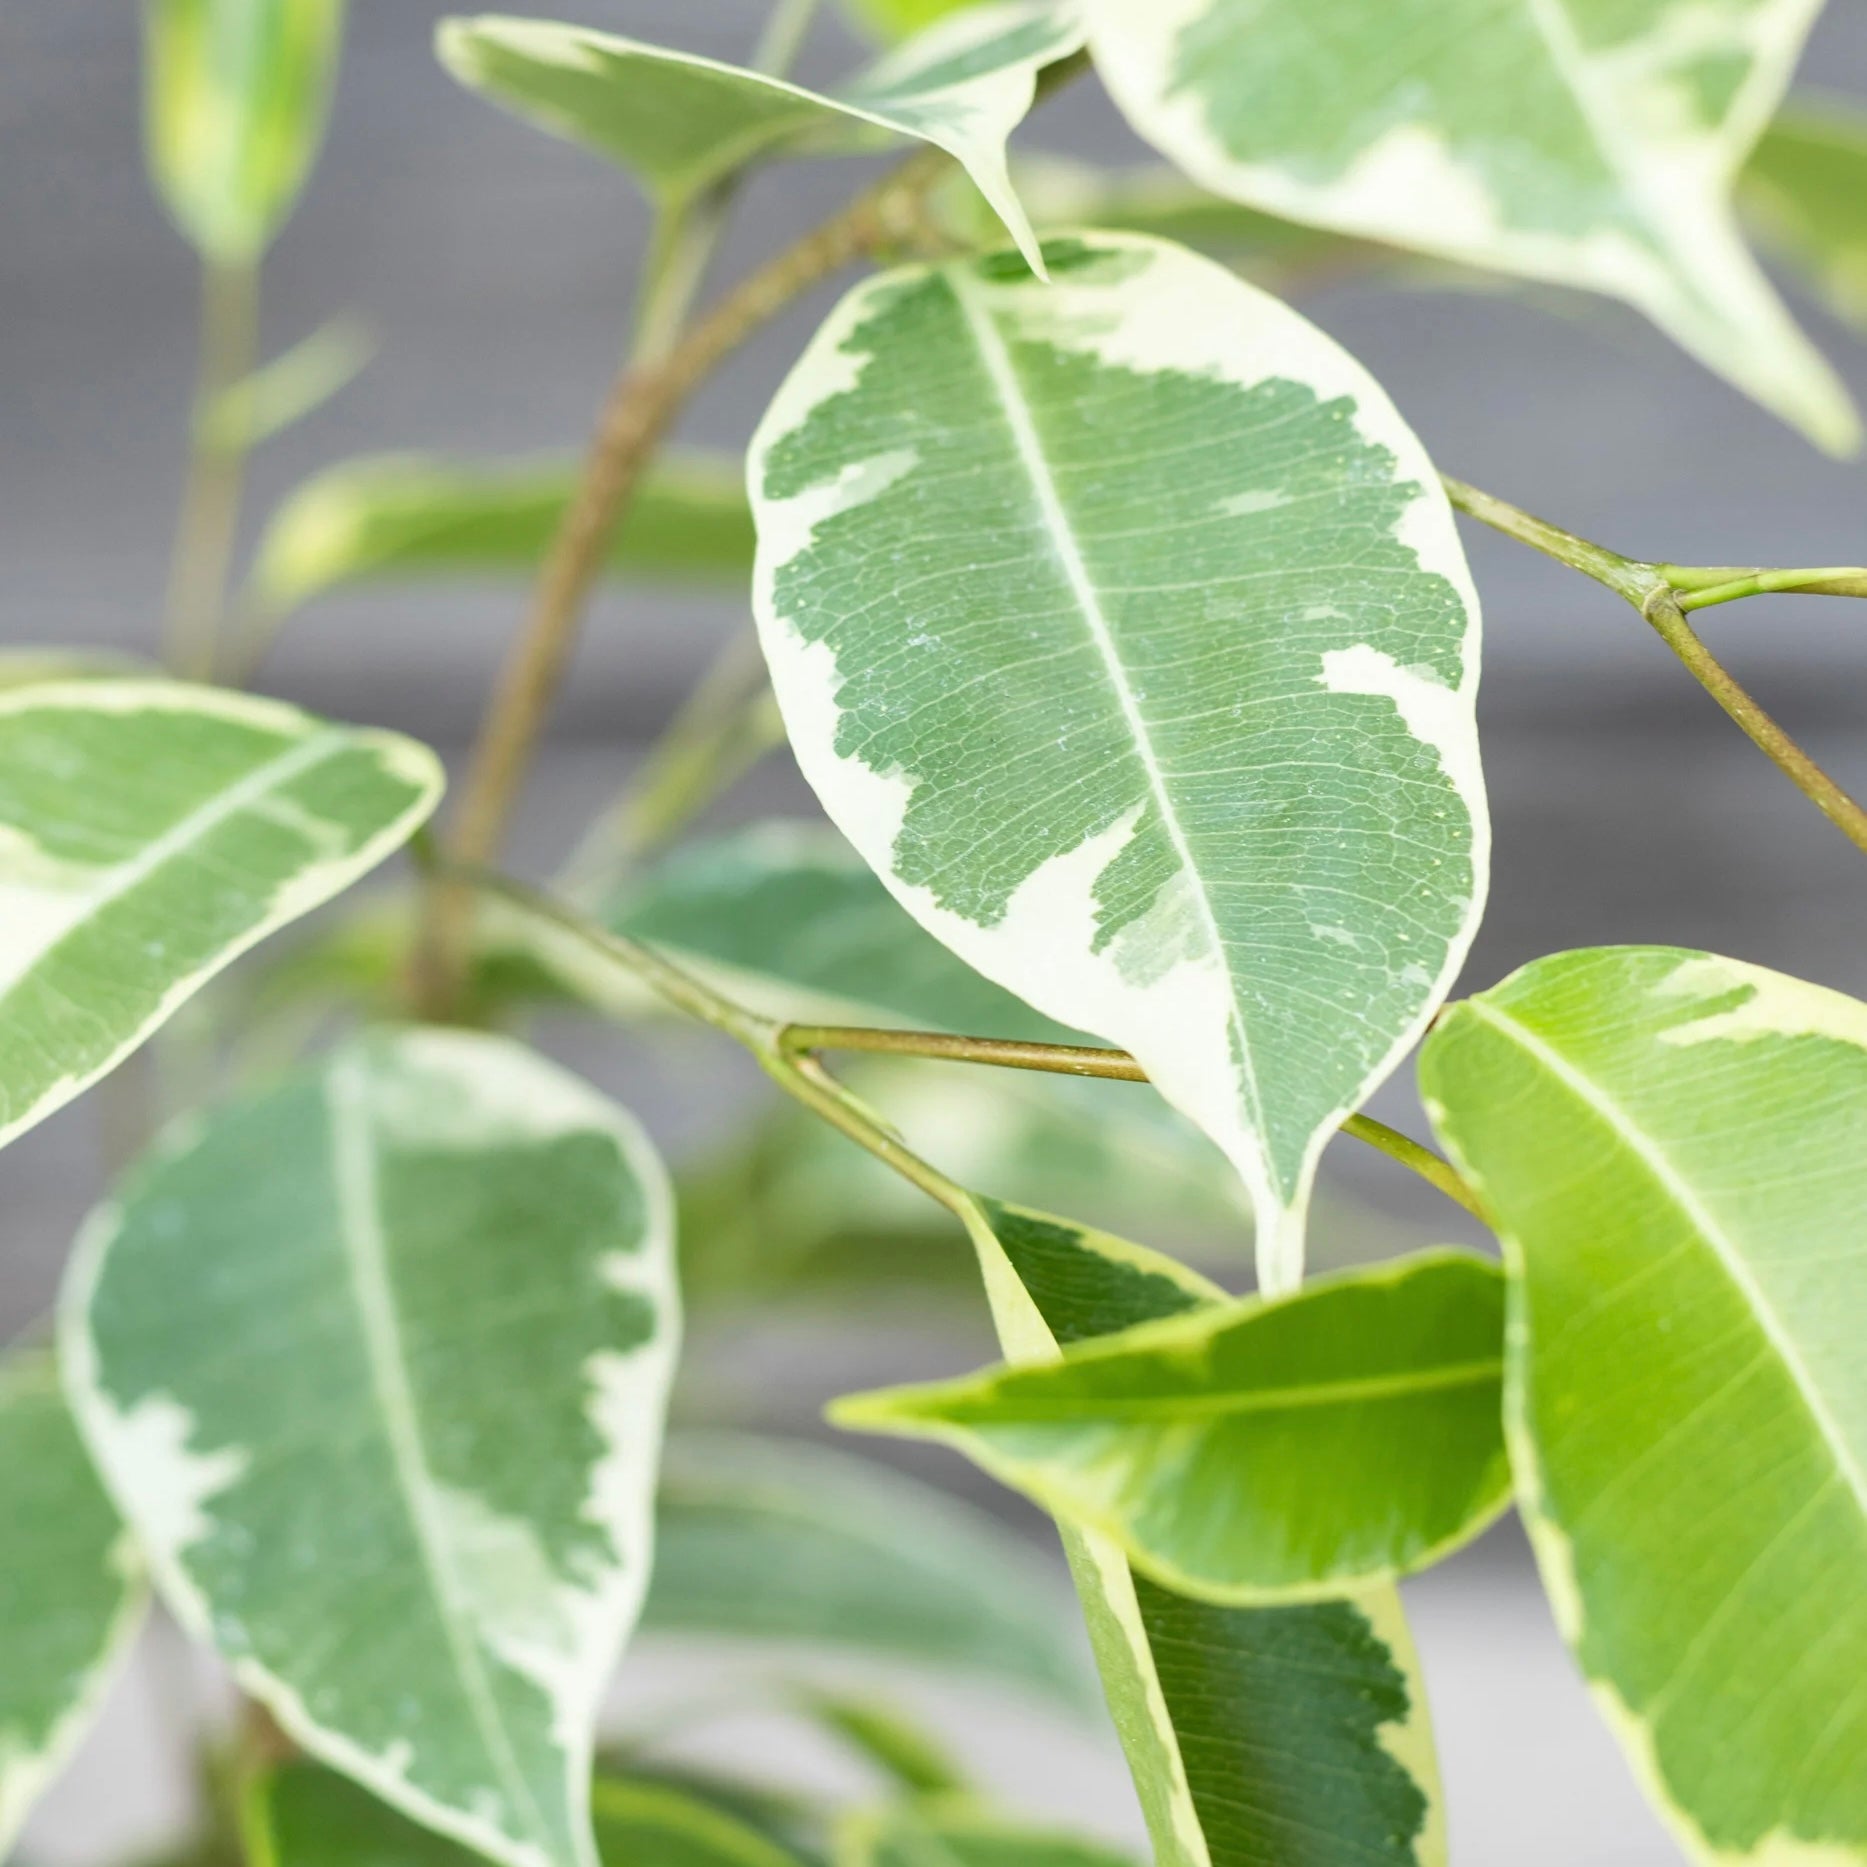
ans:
x=1651 y=1155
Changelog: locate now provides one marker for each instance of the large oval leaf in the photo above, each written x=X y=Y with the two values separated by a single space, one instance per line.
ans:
x=153 y=832
x=1262 y=1451
x=1589 y=143
x=71 y=1590
x=681 y=122
x=1675 y=1146
x=238 y=91
x=1122 y=626
x=1290 y=1734
x=375 y=1364
x=778 y=1540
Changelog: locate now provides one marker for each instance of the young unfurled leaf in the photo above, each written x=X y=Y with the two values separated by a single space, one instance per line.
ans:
x=958 y=1832
x=71 y=1590
x=1675 y=1147
x=1296 y=1734
x=1804 y=194
x=1121 y=625
x=1585 y=144
x=375 y=1364
x=770 y=1539
x=680 y=122
x=408 y=516
x=238 y=91
x=155 y=831
x=1259 y=1451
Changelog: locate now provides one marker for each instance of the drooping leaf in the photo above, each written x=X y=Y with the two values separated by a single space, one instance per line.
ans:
x=1804 y=195
x=237 y=95
x=770 y=1539
x=375 y=1363
x=680 y=122
x=1586 y=142
x=1263 y=1451
x=1121 y=625
x=410 y=516
x=1675 y=1147
x=71 y=1592
x=958 y=1832
x=303 y=1815
x=154 y=831
x=296 y=383
x=1297 y=1735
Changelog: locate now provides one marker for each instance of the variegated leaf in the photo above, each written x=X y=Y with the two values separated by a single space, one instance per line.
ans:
x=151 y=832
x=1122 y=626
x=71 y=1590
x=1589 y=142
x=1296 y=1735
x=375 y=1364
x=1675 y=1146
x=680 y=122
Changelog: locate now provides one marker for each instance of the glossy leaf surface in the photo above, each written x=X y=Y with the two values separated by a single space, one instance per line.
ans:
x=1187 y=756
x=386 y=1416
x=237 y=95
x=776 y=1540
x=680 y=122
x=411 y=516
x=154 y=832
x=71 y=1592
x=1257 y=1737
x=1589 y=142
x=1262 y=1451
x=1675 y=1146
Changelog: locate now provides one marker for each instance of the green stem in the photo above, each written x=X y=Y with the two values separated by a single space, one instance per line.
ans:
x=1626 y=577
x=210 y=513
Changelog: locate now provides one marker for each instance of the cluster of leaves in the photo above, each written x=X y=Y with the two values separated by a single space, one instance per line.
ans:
x=1123 y=629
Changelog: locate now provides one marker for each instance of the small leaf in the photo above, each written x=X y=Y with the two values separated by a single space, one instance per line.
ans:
x=957 y=1832
x=1804 y=194
x=1675 y=1147
x=287 y=389
x=769 y=1539
x=71 y=1593
x=155 y=831
x=411 y=516
x=238 y=93
x=1261 y=1451
x=680 y=122
x=1557 y=140
x=386 y=1415
x=1154 y=760
x=1290 y=1734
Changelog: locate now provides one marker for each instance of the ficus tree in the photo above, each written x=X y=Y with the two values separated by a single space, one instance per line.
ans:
x=1123 y=629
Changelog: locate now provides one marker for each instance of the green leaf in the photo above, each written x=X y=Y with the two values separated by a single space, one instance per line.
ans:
x=1154 y=760
x=910 y=1756
x=680 y=122
x=303 y=1815
x=386 y=1414
x=1805 y=197
x=1290 y=1734
x=71 y=1592
x=407 y=516
x=154 y=832
x=956 y=1832
x=770 y=1539
x=1673 y=1146
x=1261 y=1451
x=1585 y=143
x=237 y=96
x=896 y=19
x=293 y=385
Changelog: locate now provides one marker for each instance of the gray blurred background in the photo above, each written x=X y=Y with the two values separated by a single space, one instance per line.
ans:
x=495 y=268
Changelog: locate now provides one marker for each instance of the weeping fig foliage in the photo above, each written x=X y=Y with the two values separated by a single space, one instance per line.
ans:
x=1120 y=623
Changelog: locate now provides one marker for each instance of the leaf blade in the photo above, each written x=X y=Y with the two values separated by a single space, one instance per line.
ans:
x=1176 y=791
x=475 y=1498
